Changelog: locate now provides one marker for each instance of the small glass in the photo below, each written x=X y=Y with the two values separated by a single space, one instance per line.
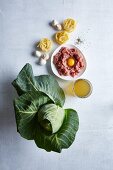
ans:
x=82 y=88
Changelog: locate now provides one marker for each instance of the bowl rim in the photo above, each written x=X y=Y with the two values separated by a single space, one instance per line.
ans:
x=54 y=70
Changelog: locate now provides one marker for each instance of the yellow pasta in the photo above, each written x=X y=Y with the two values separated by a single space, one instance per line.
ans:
x=45 y=45
x=61 y=37
x=69 y=25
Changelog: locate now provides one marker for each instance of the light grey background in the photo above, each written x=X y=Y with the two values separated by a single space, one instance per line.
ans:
x=22 y=24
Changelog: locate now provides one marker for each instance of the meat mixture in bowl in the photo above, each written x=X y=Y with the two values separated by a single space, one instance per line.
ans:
x=68 y=61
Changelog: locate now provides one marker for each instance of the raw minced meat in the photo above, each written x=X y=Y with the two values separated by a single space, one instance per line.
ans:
x=60 y=61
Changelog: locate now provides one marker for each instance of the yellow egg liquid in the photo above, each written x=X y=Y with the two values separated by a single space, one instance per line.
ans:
x=82 y=88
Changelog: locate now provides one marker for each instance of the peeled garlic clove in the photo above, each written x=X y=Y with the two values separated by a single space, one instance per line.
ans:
x=45 y=56
x=42 y=61
x=58 y=27
x=54 y=23
x=38 y=53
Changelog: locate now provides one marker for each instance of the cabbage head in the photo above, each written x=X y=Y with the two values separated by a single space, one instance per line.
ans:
x=39 y=111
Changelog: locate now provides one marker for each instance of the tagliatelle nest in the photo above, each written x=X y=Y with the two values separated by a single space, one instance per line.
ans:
x=69 y=25
x=61 y=37
x=45 y=45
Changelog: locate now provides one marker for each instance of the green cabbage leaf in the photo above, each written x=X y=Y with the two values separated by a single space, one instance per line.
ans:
x=39 y=113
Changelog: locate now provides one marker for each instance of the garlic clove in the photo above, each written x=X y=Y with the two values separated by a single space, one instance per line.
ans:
x=42 y=61
x=54 y=23
x=38 y=53
x=45 y=56
x=58 y=27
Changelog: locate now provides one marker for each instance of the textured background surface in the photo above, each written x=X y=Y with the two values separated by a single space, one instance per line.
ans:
x=22 y=24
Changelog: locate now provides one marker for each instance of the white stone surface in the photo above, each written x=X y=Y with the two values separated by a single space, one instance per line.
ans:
x=22 y=24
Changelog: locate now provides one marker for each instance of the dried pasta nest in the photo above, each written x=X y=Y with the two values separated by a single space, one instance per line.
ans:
x=45 y=45
x=69 y=25
x=61 y=37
